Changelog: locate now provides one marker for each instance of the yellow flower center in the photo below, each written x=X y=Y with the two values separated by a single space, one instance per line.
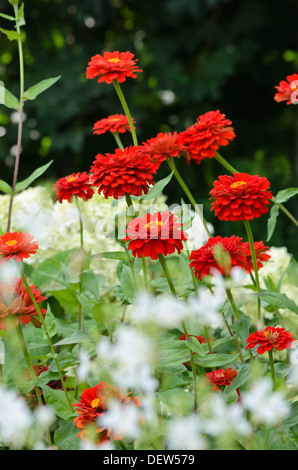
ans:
x=95 y=403
x=72 y=178
x=154 y=222
x=238 y=183
x=11 y=242
x=114 y=60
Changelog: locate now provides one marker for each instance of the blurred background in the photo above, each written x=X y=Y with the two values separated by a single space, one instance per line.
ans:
x=196 y=56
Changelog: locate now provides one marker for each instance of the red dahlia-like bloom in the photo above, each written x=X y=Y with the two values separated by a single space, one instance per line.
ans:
x=16 y=245
x=125 y=171
x=155 y=234
x=270 y=338
x=219 y=253
x=77 y=184
x=288 y=90
x=113 y=66
x=114 y=123
x=162 y=146
x=211 y=131
x=240 y=197
x=16 y=304
x=221 y=378
x=261 y=254
x=94 y=403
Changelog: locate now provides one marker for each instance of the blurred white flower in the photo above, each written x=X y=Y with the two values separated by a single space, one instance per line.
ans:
x=88 y=445
x=84 y=365
x=265 y=405
x=205 y=306
x=124 y=420
x=224 y=418
x=184 y=433
x=15 y=418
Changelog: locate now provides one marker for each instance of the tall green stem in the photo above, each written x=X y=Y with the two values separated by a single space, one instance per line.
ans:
x=126 y=110
x=48 y=337
x=233 y=304
x=183 y=185
x=20 y=125
x=272 y=366
x=254 y=260
x=118 y=140
x=31 y=372
x=192 y=361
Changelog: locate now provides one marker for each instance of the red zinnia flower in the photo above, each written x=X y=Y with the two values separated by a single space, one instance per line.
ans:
x=16 y=304
x=76 y=184
x=16 y=245
x=113 y=66
x=261 y=254
x=154 y=234
x=270 y=338
x=219 y=253
x=162 y=146
x=288 y=90
x=221 y=378
x=93 y=403
x=125 y=171
x=240 y=197
x=114 y=123
x=203 y=138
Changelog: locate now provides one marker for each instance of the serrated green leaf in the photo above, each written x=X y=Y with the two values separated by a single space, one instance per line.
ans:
x=8 y=99
x=35 y=90
x=279 y=300
x=285 y=194
x=272 y=221
x=11 y=35
x=57 y=400
x=157 y=189
x=22 y=185
x=5 y=188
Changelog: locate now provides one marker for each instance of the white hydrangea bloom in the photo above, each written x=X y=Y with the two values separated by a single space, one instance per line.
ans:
x=265 y=405
x=184 y=433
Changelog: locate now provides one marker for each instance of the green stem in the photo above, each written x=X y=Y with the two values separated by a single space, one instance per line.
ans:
x=254 y=260
x=81 y=223
x=20 y=125
x=31 y=371
x=126 y=110
x=48 y=337
x=231 y=169
x=206 y=332
x=183 y=185
x=118 y=140
x=192 y=361
x=233 y=304
x=131 y=209
x=145 y=272
x=266 y=437
x=272 y=366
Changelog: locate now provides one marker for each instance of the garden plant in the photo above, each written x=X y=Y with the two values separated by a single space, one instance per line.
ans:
x=127 y=323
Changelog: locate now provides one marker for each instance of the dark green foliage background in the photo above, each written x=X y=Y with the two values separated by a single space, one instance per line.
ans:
x=212 y=54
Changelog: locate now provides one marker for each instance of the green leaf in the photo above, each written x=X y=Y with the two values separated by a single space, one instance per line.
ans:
x=127 y=283
x=242 y=377
x=50 y=322
x=285 y=194
x=57 y=400
x=118 y=255
x=156 y=190
x=193 y=344
x=279 y=300
x=103 y=311
x=11 y=35
x=215 y=360
x=272 y=221
x=78 y=337
x=8 y=99
x=177 y=400
x=7 y=17
x=36 y=174
x=5 y=188
x=35 y=90
x=65 y=437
